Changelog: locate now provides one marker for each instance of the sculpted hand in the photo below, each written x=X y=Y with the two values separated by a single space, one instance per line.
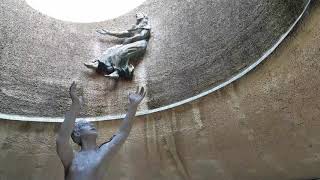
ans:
x=74 y=97
x=102 y=31
x=136 y=98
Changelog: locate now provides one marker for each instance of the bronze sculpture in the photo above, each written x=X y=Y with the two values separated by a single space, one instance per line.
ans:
x=90 y=161
x=139 y=31
x=114 y=62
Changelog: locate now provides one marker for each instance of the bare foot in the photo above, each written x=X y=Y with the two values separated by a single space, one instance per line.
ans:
x=113 y=75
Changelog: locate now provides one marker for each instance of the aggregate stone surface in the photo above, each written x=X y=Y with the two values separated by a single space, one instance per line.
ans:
x=194 y=46
x=265 y=126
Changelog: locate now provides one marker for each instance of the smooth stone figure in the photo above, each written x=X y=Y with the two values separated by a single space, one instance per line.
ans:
x=114 y=62
x=90 y=162
x=139 y=31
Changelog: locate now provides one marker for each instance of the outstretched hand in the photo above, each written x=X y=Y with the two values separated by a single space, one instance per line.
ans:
x=102 y=31
x=73 y=91
x=73 y=94
x=136 y=98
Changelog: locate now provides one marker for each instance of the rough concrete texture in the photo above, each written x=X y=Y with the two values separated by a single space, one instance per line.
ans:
x=195 y=45
x=264 y=126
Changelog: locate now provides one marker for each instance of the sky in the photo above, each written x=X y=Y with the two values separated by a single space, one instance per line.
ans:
x=84 y=11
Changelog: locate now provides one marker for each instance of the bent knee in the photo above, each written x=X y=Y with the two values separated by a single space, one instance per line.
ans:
x=145 y=34
x=144 y=44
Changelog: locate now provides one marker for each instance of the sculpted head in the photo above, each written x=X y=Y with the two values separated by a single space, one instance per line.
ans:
x=140 y=16
x=82 y=130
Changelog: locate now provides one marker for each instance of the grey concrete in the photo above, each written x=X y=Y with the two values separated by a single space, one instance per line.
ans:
x=194 y=47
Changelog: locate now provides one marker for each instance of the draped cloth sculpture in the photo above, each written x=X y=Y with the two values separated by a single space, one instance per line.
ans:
x=114 y=62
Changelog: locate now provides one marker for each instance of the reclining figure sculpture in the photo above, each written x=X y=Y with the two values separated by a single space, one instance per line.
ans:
x=90 y=162
x=114 y=62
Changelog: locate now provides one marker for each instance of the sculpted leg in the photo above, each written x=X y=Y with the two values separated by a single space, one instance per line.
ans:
x=131 y=68
x=114 y=75
x=92 y=65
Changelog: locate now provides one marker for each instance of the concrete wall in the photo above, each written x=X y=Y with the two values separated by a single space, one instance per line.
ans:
x=264 y=126
x=194 y=47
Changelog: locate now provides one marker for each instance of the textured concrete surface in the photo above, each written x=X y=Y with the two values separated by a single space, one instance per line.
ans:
x=264 y=126
x=195 y=45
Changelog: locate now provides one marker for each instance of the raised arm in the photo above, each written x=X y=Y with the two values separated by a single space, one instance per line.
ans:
x=109 y=149
x=143 y=35
x=122 y=34
x=64 y=148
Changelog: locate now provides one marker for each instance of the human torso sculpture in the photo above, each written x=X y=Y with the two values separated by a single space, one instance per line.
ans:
x=114 y=62
x=90 y=162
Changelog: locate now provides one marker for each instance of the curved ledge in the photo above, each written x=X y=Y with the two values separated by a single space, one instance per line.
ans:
x=145 y=112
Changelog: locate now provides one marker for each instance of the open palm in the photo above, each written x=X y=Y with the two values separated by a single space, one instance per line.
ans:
x=136 y=98
x=76 y=101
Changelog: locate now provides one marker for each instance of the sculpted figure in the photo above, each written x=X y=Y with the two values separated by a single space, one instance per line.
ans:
x=114 y=62
x=139 y=31
x=90 y=162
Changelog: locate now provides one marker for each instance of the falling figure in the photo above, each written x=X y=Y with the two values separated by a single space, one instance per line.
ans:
x=114 y=62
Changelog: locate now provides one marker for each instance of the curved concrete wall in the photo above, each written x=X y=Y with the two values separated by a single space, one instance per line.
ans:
x=264 y=126
x=194 y=47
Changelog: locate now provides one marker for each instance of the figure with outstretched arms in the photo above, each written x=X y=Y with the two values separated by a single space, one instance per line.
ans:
x=90 y=162
x=139 y=31
x=114 y=62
